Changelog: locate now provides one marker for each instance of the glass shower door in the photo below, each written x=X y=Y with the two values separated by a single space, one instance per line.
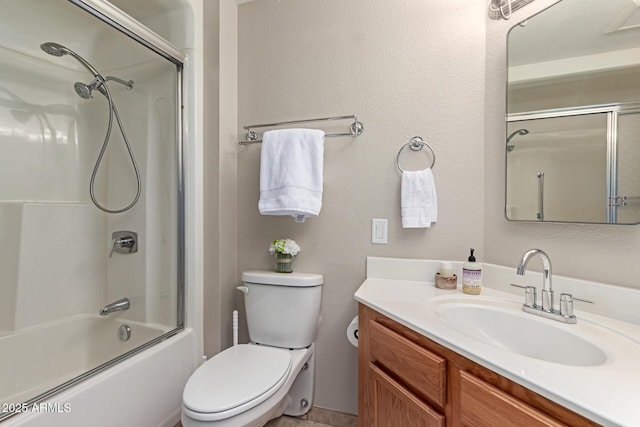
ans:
x=90 y=202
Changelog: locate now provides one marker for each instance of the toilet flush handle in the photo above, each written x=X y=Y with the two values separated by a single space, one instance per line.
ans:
x=243 y=289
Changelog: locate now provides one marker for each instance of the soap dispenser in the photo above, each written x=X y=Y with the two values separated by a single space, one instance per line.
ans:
x=471 y=276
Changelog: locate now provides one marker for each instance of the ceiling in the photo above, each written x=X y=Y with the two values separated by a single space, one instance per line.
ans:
x=575 y=28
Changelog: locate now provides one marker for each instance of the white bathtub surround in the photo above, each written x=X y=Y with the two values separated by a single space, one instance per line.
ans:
x=411 y=299
x=64 y=261
x=143 y=391
x=73 y=346
x=66 y=241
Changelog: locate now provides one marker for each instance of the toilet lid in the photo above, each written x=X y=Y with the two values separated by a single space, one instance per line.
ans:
x=243 y=375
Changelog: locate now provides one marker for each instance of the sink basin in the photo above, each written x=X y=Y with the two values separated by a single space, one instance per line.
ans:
x=512 y=330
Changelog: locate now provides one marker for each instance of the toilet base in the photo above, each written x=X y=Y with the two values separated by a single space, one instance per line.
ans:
x=282 y=402
x=301 y=392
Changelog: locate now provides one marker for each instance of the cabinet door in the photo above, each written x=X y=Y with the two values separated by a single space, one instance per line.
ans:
x=394 y=406
x=417 y=367
x=483 y=405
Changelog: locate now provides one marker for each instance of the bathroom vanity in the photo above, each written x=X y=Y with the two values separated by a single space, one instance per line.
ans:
x=406 y=379
x=430 y=357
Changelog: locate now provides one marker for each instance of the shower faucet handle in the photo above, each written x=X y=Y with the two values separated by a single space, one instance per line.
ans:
x=124 y=242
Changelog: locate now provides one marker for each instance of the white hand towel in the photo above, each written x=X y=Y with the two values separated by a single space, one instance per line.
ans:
x=291 y=163
x=418 y=200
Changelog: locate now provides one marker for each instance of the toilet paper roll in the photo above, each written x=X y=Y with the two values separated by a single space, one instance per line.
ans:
x=352 y=332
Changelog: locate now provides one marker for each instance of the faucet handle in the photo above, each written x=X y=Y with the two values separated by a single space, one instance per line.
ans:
x=123 y=245
x=124 y=242
x=529 y=294
x=566 y=304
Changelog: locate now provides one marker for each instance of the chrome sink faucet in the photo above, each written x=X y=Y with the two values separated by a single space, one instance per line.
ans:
x=565 y=314
x=547 y=291
x=120 y=305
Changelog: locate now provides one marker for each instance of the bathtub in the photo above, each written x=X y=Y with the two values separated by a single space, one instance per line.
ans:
x=143 y=390
x=39 y=358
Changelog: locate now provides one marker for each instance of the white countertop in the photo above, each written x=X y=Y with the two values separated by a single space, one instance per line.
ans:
x=608 y=393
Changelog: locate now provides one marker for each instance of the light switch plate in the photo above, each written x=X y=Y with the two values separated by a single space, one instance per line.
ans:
x=379 y=231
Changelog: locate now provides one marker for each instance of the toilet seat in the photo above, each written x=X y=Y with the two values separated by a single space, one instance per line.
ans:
x=235 y=381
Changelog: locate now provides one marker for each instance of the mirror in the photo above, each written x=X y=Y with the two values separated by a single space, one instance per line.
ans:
x=573 y=114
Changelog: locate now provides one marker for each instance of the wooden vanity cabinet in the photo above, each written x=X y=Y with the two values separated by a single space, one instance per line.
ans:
x=408 y=380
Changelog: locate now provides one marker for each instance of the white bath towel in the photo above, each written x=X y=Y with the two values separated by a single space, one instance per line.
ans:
x=291 y=163
x=418 y=200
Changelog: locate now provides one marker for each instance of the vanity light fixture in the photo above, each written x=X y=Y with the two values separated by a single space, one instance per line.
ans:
x=502 y=9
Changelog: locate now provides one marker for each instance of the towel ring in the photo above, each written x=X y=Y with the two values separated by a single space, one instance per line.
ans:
x=416 y=143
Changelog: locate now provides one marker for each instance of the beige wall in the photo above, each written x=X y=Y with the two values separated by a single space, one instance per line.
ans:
x=402 y=69
x=407 y=68
x=220 y=187
x=605 y=253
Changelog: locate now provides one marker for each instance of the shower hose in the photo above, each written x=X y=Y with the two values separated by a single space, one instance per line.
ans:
x=103 y=89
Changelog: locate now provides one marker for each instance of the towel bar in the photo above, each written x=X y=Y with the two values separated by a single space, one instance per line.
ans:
x=416 y=143
x=355 y=129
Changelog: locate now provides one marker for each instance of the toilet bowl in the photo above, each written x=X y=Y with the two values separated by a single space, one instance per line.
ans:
x=249 y=384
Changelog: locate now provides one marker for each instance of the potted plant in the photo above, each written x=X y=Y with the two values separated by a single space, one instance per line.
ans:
x=285 y=250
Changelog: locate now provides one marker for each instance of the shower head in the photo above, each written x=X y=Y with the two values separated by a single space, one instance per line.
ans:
x=510 y=148
x=84 y=90
x=57 y=49
x=54 y=49
x=518 y=132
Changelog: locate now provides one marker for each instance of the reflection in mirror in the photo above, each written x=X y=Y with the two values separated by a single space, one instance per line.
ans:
x=573 y=114
x=568 y=150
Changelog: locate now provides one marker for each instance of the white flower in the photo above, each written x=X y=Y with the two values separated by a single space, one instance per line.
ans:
x=291 y=247
x=284 y=246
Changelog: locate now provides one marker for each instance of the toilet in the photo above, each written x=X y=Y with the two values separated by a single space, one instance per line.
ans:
x=249 y=384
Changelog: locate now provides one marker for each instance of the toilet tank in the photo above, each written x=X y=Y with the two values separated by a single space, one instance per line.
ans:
x=283 y=309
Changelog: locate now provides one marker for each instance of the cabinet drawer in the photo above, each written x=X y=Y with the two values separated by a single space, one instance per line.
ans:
x=482 y=404
x=420 y=369
x=397 y=407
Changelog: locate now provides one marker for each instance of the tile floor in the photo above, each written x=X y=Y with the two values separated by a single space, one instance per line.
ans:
x=316 y=417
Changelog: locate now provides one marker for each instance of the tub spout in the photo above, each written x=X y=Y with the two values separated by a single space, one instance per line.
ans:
x=120 y=305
